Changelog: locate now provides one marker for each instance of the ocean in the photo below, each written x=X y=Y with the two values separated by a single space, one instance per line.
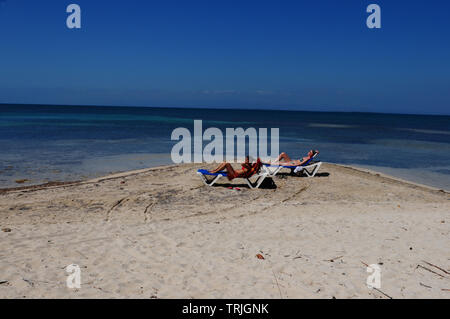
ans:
x=64 y=143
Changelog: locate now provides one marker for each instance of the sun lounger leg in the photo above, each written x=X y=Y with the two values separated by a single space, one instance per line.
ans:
x=258 y=181
x=315 y=169
x=203 y=178
x=215 y=180
x=272 y=172
x=207 y=182
x=277 y=170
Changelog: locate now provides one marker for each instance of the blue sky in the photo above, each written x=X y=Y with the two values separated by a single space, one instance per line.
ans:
x=305 y=55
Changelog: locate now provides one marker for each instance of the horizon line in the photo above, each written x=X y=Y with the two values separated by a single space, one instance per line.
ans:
x=282 y=109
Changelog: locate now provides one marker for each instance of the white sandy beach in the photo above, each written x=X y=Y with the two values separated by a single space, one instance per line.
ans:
x=160 y=233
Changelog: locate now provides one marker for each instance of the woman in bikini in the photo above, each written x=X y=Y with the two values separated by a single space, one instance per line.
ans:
x=284 y=159
x=247 y=169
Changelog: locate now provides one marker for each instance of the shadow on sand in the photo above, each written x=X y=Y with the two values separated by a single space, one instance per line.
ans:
x=268 y=183
x=286 y=175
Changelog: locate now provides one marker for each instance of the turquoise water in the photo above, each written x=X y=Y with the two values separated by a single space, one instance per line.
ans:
x=49 y=143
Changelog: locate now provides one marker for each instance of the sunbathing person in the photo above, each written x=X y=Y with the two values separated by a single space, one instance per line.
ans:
x=284 y=159
x=247 y=170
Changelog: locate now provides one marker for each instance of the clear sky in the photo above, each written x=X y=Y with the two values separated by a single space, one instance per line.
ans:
x=305 y=55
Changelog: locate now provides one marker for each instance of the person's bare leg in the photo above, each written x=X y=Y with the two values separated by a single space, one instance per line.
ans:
x=219 y=168
x=230 y=170
x=224 y=166
x=283 y=158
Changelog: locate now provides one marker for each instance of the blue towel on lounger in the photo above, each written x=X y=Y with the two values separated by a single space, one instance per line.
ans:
x=206 y=172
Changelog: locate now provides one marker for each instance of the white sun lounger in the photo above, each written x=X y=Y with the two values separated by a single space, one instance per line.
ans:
x=216 y=176
x=309 y=168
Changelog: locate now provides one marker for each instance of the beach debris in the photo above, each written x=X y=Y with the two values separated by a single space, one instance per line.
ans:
x=385 y=294
x=6 y=230
x=432 y=265
x=147 y=210
x=114 y=206
x=365 y=264
x=259 y=256
x=21 y=181
x=294 y=195
x=278 y=285
x=31 y=283
x=423 y=285
x=333 y=259
x=2 y=282
x=427 y=269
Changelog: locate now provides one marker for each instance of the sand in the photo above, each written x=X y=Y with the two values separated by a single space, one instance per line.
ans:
x=160 y=233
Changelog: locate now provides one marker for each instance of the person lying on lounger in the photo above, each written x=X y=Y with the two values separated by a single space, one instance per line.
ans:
x=247 y=170
x=284 y=159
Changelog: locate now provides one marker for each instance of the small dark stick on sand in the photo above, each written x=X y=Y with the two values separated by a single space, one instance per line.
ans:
x=443 y=270
x=333 y=259
x=430 y=270
x=278 y=285
x=382 y=293
x=423 y=285
x=114 y=206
